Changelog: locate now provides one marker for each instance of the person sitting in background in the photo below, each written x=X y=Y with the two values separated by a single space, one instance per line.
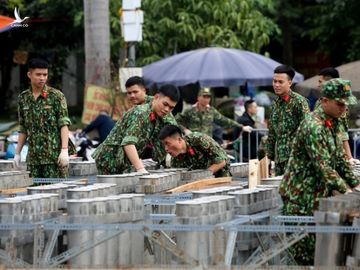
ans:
x=248 y=119
x=103 y=123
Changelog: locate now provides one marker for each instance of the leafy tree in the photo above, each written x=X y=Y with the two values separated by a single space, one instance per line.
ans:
x=52 y=33
x=336 y=28
x=172 y=26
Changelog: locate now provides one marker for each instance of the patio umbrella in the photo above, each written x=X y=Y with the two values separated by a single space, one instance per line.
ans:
x=213 y=67
x=349 y=71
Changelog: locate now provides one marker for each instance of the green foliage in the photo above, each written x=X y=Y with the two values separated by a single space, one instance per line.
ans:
x=53 y=31
x=172 y=26
x=336 y=27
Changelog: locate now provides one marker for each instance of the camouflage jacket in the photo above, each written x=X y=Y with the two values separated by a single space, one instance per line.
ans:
x=202 y=152
x=284 y=120
x=148 y=99
x=135 y=128
x=202 y=121
x=317 y=165
x=343 y=123
x=41 y=120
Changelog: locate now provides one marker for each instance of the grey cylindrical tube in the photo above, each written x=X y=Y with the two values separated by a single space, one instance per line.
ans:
x=329 y=246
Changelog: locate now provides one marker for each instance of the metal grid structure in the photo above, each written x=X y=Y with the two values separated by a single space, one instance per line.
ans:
x=46 y=233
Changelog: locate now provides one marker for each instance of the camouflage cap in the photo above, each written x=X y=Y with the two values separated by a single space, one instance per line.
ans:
x=204 y=92
x=339 y=90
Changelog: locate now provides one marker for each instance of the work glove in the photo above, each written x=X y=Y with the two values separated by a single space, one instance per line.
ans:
x=354 y=161
x=17 y=161
x=247 y=129
x=142 y=170
x=63 y=159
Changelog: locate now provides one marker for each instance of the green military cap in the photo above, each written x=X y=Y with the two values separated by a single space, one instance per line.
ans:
x=339 y=90
x=204 y=92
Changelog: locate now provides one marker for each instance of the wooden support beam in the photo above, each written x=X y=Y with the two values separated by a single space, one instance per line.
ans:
x=13 y=191
x=253 y=173
x=200 y=184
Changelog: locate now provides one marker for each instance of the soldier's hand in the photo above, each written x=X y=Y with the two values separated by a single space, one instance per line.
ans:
x=247 y=129
x=354 y=161
x=17 y=161
x=142 y=170
x=187 y=131
x=63 y=159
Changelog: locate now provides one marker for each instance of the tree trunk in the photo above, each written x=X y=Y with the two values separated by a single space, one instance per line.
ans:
x=97 y=42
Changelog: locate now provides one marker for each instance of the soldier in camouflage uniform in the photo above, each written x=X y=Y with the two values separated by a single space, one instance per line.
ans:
x=194 y=151
x=136 y=91
x=140 y=126
x=44 y=121
x=318 y=164
x=202 y=116
x=327 y=74
x=287 y=111
x=136 y=94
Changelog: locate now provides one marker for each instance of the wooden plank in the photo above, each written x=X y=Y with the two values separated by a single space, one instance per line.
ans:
x=12 y=191
x=204 y=183
x=264 y=168
x=253 y=173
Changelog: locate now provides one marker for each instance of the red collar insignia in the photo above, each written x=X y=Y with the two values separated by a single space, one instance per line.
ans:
x=44 y=94
x=152 y=117
x=191 y=151
x=286 y=98
x=329 y=123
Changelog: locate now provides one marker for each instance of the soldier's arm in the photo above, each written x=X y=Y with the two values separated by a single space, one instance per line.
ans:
x=133 y=156
x=213 y=151
x=320 y=157
x=344 y=136
x=271 y=141
x=64 y=132
x=21 y=142
x=217 y=166
x=345 y=170
x=224 y=121
x=22 y=130
x=347 y=149
x=303 y=109
x=132 y=126
x=63 y=116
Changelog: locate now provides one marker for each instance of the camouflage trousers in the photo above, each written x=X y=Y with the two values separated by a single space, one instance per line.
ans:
x=48 y=171
x=303 y=251
x=280 y=168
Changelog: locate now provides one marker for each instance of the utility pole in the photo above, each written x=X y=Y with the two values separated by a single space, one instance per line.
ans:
x=132 y=18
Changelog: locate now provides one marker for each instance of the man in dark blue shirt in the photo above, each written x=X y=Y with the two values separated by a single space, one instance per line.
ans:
x=102 y=123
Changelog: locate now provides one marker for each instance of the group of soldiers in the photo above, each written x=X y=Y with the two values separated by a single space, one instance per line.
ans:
x=309 y=149
x=44 y=122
